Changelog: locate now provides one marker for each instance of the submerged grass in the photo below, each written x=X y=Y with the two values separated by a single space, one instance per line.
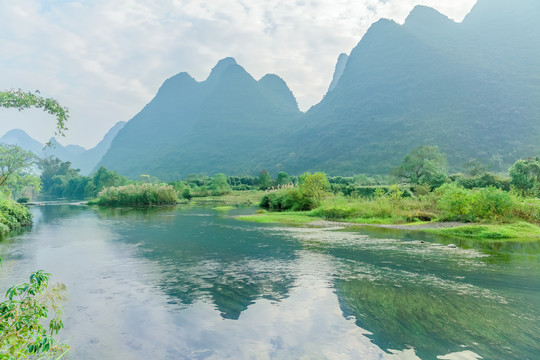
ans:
x=283 y=217
x=519 y=230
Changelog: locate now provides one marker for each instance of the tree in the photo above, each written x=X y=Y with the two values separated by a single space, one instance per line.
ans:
x=14 y=161
x=220 y=185
x=265 y=182
x=21 y=100
x=474 y=167
x=283 y=178
x=423 y=165
x=314 y=186
x=525 y=176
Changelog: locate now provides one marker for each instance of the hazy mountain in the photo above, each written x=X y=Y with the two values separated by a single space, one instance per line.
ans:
x=228 y=123
x=22 y=139
x=472 y=88
x=88 y=160
x=340 y=67
x=80 y=158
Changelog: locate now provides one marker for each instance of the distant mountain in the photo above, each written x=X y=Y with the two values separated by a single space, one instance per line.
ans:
x=22 y=139
x=472 y=88
x=228 y=123
x=80 y=158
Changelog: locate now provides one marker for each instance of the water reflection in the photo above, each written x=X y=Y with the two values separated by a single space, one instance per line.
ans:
x=178 y=282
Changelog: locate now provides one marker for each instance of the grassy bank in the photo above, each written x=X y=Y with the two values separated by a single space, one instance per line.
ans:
x=486 y=213
x=519 y=230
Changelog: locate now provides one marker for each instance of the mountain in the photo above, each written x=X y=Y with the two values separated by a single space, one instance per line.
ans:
x=338 y=72
x=22 y=139
x=64 y=153
x=228 y=123
x=88 y=160
x=80 y=158
x=472 y=88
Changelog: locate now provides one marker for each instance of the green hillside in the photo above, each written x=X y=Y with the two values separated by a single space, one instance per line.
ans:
x=472 y=88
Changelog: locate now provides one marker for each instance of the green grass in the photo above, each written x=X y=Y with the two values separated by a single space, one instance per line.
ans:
x=520 y=230
x=234 y=197
x=224 y=208
x=283 y=218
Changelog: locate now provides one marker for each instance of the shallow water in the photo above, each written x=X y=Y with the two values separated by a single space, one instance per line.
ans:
x=194 y=283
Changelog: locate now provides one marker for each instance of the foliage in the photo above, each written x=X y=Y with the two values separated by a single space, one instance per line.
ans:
x=220 y=186
x=283 y=178
x=525 y=176
x=482 y=181
x=13 y=215
x=15 y=167
x=60 y=180
x=423 y=165
x=458 y=203
x=314 y=186
x=264 y=181
x=287 y=200
x=143 y=194
x=21 y=100
x=22 y=314
x=474 y=167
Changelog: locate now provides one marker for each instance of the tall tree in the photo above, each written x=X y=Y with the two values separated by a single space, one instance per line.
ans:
x=423 y=165
x=14 y=161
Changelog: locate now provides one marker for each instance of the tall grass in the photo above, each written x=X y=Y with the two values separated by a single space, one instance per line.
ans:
x=381 y=209
x=136 y=195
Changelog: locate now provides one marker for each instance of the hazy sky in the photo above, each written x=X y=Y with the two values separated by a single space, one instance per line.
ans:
x=106 y=59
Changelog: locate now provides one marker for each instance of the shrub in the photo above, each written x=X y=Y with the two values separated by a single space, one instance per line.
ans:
x=13 y=215
x=492 y=203
x=287 y=200
x=455 y=202
x=22 y=314
x=144 y=194
x=458 y=203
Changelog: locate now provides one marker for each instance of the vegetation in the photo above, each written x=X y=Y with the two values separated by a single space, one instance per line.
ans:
x=22 y=314
x=423 y=165
x=13 y=215
x=135 y=195
x=21 y=100
x=27 y=305
x=16 y=177
x=60 y=180
x=494 y=205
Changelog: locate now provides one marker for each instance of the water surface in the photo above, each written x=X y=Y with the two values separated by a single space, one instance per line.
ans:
x=194 y=283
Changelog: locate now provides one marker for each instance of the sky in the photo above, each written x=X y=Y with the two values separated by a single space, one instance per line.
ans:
x=105 y=60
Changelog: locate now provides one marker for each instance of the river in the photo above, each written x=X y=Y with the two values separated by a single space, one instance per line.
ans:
x=195 y=283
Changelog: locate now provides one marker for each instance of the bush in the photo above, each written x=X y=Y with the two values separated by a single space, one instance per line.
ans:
x=144 y=194
x=483 y=181
x=492 y=203
x=458 y=203
x=455 y=202
x=287 y=200
x=13 y=215
x=22 y=314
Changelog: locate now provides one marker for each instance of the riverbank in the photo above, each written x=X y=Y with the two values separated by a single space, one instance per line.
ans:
x=520 y=230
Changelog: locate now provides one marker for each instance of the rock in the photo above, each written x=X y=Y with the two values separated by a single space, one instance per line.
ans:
x=452 y=246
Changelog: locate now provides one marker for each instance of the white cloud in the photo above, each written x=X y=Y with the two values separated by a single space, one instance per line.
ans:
x=106 y=59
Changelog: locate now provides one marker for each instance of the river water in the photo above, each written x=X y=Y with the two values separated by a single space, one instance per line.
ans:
x=195 y=283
